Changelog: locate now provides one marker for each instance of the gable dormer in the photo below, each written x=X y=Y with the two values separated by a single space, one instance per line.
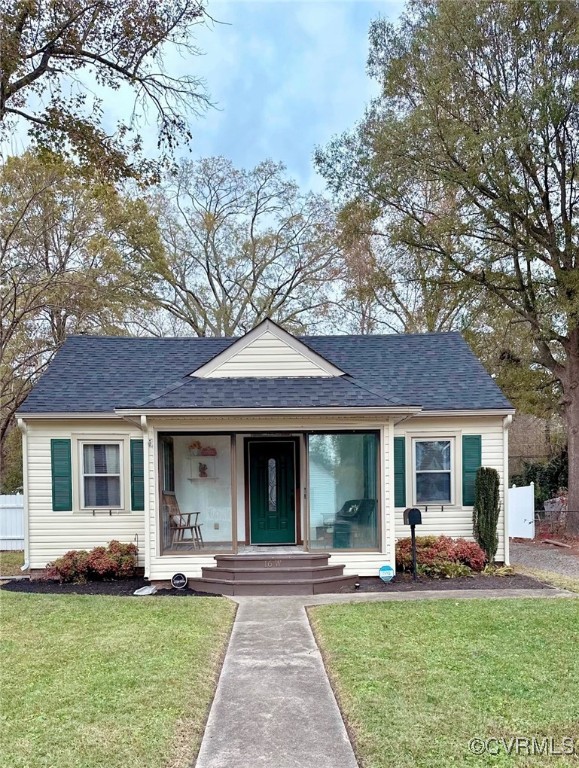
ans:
x=267 y=351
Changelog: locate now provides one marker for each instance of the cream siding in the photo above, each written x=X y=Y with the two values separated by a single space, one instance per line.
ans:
x=455 y=520
x=51 y=534
x=268 y=357
x=162 y=567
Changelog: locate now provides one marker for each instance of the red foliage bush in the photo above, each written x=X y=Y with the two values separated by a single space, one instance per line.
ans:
x=101 y=563
x=470 y=553
x=73 y=566
x=116 y=561
x=435 y=553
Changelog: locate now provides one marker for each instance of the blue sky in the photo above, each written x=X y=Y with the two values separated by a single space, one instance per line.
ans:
x=286 y=75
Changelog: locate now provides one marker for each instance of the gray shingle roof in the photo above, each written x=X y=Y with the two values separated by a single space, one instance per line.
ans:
x=98 y=374
x=311 y=392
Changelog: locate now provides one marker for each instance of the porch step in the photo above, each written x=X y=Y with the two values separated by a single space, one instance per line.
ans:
x=300 y=573
x=265 y=588
x=272 y=560
x=273 y=574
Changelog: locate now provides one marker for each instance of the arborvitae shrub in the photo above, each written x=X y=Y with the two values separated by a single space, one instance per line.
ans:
x=485 y=516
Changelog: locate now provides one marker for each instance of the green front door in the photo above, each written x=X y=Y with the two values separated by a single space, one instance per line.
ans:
x=272 y=492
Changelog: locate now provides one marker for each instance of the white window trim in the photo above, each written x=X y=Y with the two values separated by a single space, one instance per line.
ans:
x=434 y=439
x=120 y=474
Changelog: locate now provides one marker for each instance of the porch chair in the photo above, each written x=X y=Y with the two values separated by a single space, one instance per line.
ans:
x=181 y=522
x=353 y=518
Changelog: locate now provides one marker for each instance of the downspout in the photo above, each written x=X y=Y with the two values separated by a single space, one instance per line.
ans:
x=506 y=424
x=147 y=447
x=387 y=490
x=22 y=426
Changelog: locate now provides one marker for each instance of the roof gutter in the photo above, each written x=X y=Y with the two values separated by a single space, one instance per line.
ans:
x=68 y=415
x=336 y=411
x=124 y=413
x=469 y=412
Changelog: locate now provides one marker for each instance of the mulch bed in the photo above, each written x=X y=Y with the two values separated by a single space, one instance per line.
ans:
x=402 y=583
x=121 y=588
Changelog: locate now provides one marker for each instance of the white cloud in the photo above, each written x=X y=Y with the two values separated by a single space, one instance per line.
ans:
x=284 y=76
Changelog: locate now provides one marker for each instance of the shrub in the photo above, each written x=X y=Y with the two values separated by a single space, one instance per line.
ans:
x=440 y=556
x=469 y=553
x=444 y=570
x=499 y=570
x=73 y=566
x=101 y=563
x=549 y=477
x=115 y=561
x=485 y=514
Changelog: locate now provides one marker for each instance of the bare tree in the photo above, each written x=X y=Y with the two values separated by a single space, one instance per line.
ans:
x=390 y=288
x=241 y=246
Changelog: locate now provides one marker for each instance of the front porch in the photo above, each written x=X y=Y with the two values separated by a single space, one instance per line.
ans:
x=221 y=493
x=249 y=510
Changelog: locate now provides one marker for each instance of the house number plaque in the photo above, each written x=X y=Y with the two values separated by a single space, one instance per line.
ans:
x=272 y=564
x=179 y=581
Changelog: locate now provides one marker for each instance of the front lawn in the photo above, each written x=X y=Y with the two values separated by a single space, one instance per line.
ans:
x=417 y=681
x=570 y=583
x=107 y=682
x=10 y=562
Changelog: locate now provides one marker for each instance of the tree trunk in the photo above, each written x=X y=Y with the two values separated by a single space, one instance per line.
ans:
x=571 y=400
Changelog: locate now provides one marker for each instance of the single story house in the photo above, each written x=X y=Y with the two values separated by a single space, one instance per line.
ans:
x=278 y=448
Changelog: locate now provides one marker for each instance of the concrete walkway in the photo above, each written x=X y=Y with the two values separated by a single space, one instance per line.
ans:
x=274 y=705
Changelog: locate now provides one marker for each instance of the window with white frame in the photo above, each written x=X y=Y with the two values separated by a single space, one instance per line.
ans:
x=433 y=471
x=101 y=475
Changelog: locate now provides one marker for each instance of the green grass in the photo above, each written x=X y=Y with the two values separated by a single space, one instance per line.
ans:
x=417 y=680
x=11 y=562
x=109 y=682
x=555 y=579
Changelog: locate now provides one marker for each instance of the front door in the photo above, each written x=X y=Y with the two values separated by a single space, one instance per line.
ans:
x=272 y=486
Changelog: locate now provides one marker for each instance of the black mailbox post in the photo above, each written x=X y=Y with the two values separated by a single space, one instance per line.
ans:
x=413 y=517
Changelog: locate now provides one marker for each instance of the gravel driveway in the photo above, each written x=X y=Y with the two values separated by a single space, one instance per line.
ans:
x=545 y=557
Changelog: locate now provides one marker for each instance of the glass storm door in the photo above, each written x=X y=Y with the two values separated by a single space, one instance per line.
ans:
x=272 y=492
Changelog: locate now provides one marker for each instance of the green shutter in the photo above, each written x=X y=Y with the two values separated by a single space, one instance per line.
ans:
x=399 y=471
x=137 y=476
x=471 y=461
x=61 y=466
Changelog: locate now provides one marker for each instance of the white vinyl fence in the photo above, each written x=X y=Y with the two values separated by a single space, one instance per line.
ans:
x=522 y=512
x=12 y=522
